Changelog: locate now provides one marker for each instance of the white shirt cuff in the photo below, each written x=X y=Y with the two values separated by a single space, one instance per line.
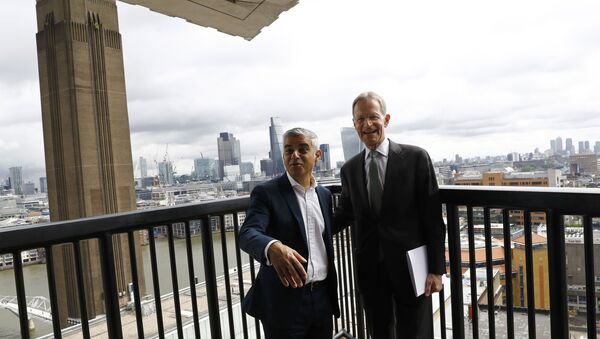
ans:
x=267 y=250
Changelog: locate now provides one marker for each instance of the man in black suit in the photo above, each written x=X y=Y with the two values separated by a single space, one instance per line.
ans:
x=390 y=194
x=288 y=230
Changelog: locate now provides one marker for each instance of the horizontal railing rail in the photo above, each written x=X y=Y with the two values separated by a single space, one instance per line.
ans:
x=459 y=201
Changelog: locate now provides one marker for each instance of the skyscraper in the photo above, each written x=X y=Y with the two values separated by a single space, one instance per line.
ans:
x=229 y=151
x=325 y=163
x=165 y=173
x=553 y=146
x=266 y=167
x=569 y=146
x=86 y=137
x=351 y=144
x=587 y=146
x=276 y=152
x=205 y=169
x=143 y=167
x=43 y=185
x=581 y=149
x=597 y=147
x=16 y=179
x=559 y=145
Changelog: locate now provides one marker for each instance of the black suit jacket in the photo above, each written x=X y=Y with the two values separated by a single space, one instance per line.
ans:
x=410 y=217
x=274 y=213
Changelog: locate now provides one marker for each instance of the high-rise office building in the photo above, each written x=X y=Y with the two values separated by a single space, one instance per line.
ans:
x=597 y=147
x=325 y=162
x=15 y=175
x=165 y=173
x=143 y=167
x=89 y=164
x=569 y=146
x=581 y=147
x=351 y=143
x=266 y=167
x=247 y=168
x=559 y=145
x=587 y=148
x=229 y=151
x=28 y=188
x=206 y=169
x=43 y=185
x=276 y=138
x=553 y=146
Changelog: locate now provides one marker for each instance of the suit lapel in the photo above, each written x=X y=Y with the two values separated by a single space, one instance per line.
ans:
x=394 y=166
x=290 y=199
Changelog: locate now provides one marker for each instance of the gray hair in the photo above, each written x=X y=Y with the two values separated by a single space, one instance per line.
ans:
x=369 y=95
x=302 y=132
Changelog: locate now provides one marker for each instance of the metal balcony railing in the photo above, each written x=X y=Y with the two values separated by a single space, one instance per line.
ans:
x=225 y=319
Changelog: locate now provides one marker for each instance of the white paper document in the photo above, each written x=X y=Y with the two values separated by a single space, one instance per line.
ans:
x=417 y=266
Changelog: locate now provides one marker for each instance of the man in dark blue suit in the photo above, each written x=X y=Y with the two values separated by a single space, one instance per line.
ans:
x=288 y=230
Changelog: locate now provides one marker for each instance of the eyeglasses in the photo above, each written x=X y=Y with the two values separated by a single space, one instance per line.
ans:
x=372 y=118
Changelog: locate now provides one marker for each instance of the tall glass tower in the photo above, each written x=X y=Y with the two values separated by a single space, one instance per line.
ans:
x=350 y=143
x=276 y=153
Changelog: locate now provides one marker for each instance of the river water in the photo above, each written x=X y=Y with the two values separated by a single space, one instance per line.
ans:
x=36 y=282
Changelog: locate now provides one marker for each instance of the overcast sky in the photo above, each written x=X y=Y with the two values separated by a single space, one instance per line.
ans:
x=466 y=77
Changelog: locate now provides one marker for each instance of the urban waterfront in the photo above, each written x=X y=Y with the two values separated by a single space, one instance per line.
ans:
x=36 y=281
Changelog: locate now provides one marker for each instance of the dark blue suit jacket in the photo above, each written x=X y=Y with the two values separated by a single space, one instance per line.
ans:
x=274 y=213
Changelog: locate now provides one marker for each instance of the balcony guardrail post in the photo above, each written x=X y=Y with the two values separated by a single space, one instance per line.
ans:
x=136 y=290
x=473 y=274
x=52 y=292
x=85 y=327
x=238 y=258
x=559 y=316
x=590 y=284
x=156 y=284
x=489 y=263
x=211 y=279
x=21 y=294
x=175 y=283
x=510 y=327
x=226 y=277
x=192 y=277
x=458 y=323
x=109 y=285
x=529 y=275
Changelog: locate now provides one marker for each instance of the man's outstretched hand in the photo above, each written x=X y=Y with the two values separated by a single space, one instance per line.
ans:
x=288 y=264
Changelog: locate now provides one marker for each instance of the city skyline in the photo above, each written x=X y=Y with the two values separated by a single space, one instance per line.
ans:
x=450 y=88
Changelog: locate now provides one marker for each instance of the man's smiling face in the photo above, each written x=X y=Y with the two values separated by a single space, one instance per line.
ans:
x=370 y=122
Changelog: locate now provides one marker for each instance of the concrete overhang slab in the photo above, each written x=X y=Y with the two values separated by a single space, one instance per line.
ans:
x=244 y=18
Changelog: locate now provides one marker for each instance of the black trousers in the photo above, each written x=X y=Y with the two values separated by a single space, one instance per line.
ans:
x=313 y=319
x=396 y=316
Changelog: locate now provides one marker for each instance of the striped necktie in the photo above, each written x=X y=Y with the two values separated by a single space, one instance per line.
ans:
x=375 y=188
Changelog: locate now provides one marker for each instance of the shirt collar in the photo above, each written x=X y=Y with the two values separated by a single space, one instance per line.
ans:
x=294 y=183
x=382 y=149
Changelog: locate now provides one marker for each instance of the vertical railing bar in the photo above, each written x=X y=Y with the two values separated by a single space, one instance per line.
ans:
x=21 y=294
x=238 y=258
x=359 y=308
x=192 y=276
x=351 y=282
x=52 y=292
x=559 y=316
x=473 y=273
x=338 y=256
x=510 y=326
x=590 y=285
x=173 y=262
x=136 y=290
x=252 y=278
x=458 y=327
x=211 y=279
x=345 y=320
x=442 y=303
x=109 y=286
x=155 y=284
x=529 y=274
x=489 y=262
x=226 y=276
x=85 y=328
x=345 y=275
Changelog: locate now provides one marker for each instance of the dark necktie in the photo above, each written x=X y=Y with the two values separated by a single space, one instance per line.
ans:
x=375 y=188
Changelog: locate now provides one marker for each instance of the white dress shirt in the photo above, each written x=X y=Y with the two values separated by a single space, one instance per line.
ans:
x=383 y=149
x=314 y=226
